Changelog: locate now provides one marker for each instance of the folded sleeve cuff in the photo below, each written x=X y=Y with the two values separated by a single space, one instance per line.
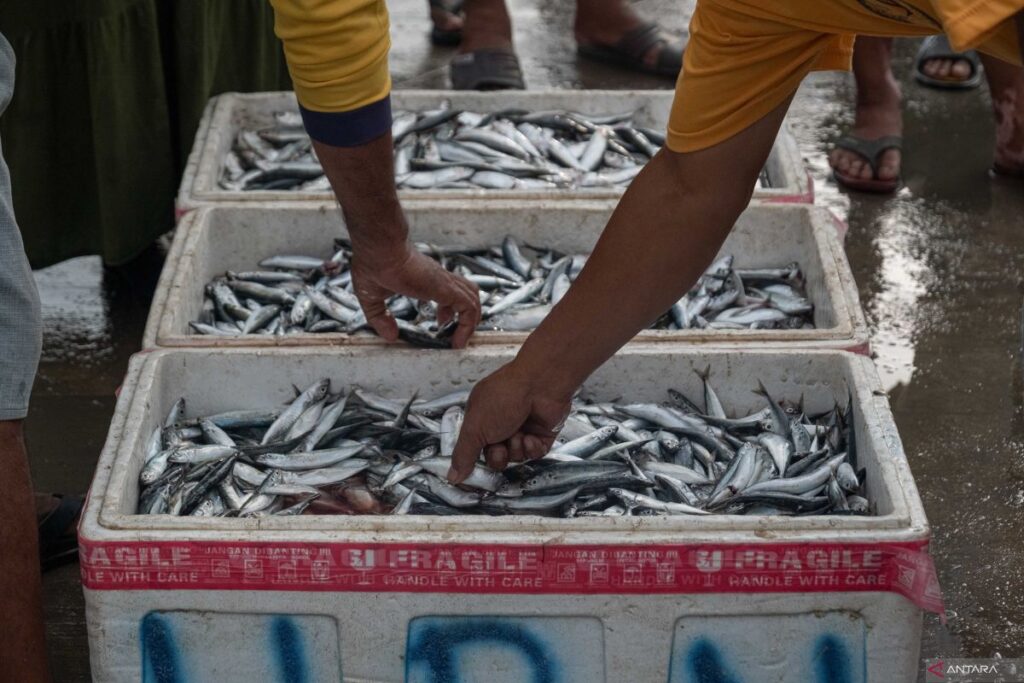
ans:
x=349 y=128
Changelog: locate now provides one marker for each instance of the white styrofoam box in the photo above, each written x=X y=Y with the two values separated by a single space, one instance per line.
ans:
x=390 y=638
x=227 y=113
x=417 y=598
x=215 y=239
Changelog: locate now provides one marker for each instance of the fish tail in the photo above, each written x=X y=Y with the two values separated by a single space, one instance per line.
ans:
x=705 y=374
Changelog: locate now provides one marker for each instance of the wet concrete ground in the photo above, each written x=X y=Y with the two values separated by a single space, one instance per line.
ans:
x=939 y=274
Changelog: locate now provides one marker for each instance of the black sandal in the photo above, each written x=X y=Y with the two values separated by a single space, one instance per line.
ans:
x=58 y=546
x=633 y=47
x=446 y=37
x=494 y=68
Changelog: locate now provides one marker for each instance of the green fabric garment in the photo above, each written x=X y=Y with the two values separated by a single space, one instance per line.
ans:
x=215 y=46
x=107 y=99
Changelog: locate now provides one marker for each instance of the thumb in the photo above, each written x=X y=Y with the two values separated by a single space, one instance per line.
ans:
x=377 y=314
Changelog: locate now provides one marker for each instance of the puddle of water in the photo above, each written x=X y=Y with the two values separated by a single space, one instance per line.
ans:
x=938 y=268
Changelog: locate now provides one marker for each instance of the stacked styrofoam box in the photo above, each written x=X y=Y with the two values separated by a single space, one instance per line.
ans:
x=213 y=240
x=428 y=599
x=384 y=598
x=228 y=113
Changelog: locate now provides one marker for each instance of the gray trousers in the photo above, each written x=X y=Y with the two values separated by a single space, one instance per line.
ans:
x=20 y=323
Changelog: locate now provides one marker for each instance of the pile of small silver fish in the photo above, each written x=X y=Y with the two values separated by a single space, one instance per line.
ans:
x=447 y=148
x=519 y=285
x=356 y=452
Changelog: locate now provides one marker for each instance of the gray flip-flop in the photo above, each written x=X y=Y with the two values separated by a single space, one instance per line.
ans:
x=633 y=47
x=487 y=69
x=938 y=47
x=871 y=151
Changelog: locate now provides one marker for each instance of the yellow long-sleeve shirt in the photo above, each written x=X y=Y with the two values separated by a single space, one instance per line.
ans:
x=337 y=53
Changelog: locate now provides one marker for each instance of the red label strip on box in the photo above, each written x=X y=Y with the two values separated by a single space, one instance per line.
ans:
x=904 y=568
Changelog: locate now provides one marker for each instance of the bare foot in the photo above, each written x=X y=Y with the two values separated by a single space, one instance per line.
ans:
x=443 y=17
x=947 y=69
x=1006 y=86
x=1009 y=153
x=605 y=22
x=877 y=115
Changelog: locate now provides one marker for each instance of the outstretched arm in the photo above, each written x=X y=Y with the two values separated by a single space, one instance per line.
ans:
x=337 y=56
x=666 y=230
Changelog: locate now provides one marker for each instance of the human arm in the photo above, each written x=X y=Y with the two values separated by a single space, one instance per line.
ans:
x=337 y=57
x=384 y=262
x=665 y=231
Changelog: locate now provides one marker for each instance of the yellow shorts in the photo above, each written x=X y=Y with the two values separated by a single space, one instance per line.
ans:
x=746 y=57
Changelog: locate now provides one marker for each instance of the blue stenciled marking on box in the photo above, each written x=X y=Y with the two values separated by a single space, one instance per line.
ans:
x=705 y=664
x=161 y=662
x=821 y=648
x=288 y=648
x=498 y=649
x=182 y=647
x=187 y=647
x=832 y=660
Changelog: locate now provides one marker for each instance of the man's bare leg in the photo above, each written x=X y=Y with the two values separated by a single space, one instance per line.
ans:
x=22 y=640
x=1006 y=86
x=486 y=24
x=22 y=644
x=877 y=113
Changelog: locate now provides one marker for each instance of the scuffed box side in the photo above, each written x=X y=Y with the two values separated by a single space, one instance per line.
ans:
x=182 y=206
x=384 y=631
x=436 y=638
x=786 y=163
x=214 y=240
x=215 y=380
x=230 y=112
